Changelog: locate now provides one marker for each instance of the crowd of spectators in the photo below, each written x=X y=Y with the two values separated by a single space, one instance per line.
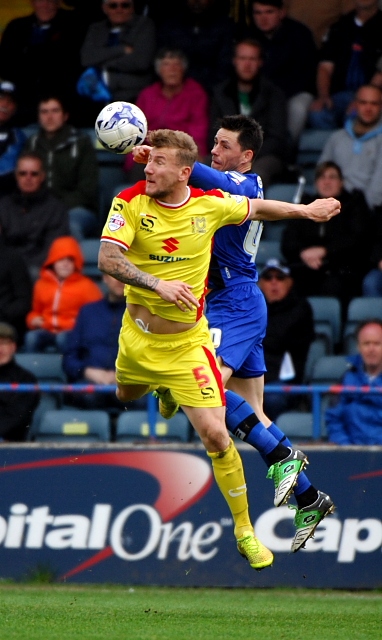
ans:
x=289 y=64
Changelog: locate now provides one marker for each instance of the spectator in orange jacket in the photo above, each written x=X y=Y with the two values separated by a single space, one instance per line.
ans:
x=58 y=295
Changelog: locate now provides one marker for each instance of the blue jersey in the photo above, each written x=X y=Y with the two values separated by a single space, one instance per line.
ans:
x=235 y=247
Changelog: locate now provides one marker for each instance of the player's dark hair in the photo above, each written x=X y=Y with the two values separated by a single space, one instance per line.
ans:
x=250 y=131
x=186 y=147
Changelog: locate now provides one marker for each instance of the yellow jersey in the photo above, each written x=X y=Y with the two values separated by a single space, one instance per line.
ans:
x=171 y=242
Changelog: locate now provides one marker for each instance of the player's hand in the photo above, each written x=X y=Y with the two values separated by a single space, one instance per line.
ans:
x=141 y=153
x=323 y=209
x=177 y=292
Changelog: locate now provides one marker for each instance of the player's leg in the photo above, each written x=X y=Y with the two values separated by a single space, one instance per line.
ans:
x=229 y=475
x=195 y=382
x=128 y=393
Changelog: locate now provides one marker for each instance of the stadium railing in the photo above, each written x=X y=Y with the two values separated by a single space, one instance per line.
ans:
x=315 y=392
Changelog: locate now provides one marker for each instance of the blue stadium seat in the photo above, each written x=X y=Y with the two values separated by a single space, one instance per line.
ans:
x=359 y=309
x=317 y=349
x=327 y=318
x=329 y=369
x=288 y=192
x=133 y=426
x=74 y=425
x=47 y=367
x=311 y=144
x=268 y=249
x=297 y=425
x=90 y=249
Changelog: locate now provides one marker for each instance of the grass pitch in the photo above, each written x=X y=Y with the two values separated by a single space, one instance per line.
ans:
x=62 y=612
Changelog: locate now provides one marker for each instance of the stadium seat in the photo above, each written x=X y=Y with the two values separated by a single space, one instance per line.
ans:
x=311 y=144
x=288 y=192
x=111 y=174
x=48 y=402
x=317 y=349
x=90 y=248
x=74 y=425
x=267 y=249
x=133 y=426
x=282 y=191
x=327 y=318
x=329 y=369
x=47 y=367
x=297 y=425
x=359 y=309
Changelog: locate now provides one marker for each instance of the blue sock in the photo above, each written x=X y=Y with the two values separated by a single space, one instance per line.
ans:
x=243 y=423
x=303 y=482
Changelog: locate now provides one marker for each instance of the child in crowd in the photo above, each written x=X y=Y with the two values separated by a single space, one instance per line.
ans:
x=58 y=295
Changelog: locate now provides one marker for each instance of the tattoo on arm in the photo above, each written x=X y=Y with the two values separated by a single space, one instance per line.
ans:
x=113 y=261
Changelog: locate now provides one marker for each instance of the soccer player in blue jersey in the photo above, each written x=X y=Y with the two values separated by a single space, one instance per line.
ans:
x=237 y=318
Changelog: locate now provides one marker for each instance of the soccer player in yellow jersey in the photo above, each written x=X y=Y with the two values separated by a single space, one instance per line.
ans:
x=157 y=240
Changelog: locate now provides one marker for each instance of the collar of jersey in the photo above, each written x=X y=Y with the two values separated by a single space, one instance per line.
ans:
x=178 y=204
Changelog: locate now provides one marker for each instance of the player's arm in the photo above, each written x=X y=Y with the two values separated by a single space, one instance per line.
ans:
x=112 y=260
x=320 y=210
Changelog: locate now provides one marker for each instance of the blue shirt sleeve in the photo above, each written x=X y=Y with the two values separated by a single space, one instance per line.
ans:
x=204 y=177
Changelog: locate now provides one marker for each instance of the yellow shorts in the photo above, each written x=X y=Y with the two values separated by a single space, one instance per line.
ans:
x=183 y=362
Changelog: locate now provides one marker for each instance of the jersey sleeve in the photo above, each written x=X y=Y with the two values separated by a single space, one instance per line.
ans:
x=120 y=224
x=236 y=209
x=206 y=178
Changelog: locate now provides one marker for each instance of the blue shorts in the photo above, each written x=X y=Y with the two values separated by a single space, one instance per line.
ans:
x=237 y=318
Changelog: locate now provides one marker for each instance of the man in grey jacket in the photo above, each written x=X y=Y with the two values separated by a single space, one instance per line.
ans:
x=357 y=148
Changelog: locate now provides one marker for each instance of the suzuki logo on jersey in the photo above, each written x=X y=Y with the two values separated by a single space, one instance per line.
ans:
x=198 y=225
x=170 y=245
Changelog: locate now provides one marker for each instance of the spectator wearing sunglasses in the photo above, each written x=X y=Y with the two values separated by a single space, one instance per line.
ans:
x=123 y=47
x=290 y=331
x=31 y=217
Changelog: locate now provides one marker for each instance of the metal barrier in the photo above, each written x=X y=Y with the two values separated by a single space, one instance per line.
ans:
x=315 y=391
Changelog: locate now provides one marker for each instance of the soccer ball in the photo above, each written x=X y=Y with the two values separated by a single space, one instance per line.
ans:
x=120 y=126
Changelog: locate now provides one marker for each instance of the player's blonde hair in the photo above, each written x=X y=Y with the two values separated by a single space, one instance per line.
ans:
x=184 y=144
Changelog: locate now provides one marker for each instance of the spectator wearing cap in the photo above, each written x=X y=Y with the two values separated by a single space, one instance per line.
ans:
x=16 y=409
x=290 y=331
x=12 y=139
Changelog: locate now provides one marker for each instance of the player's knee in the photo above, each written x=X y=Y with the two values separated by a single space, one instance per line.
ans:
x=129 y=393
x=215 y=437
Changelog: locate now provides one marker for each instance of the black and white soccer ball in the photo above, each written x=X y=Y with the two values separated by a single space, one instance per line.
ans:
x=120 y=126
